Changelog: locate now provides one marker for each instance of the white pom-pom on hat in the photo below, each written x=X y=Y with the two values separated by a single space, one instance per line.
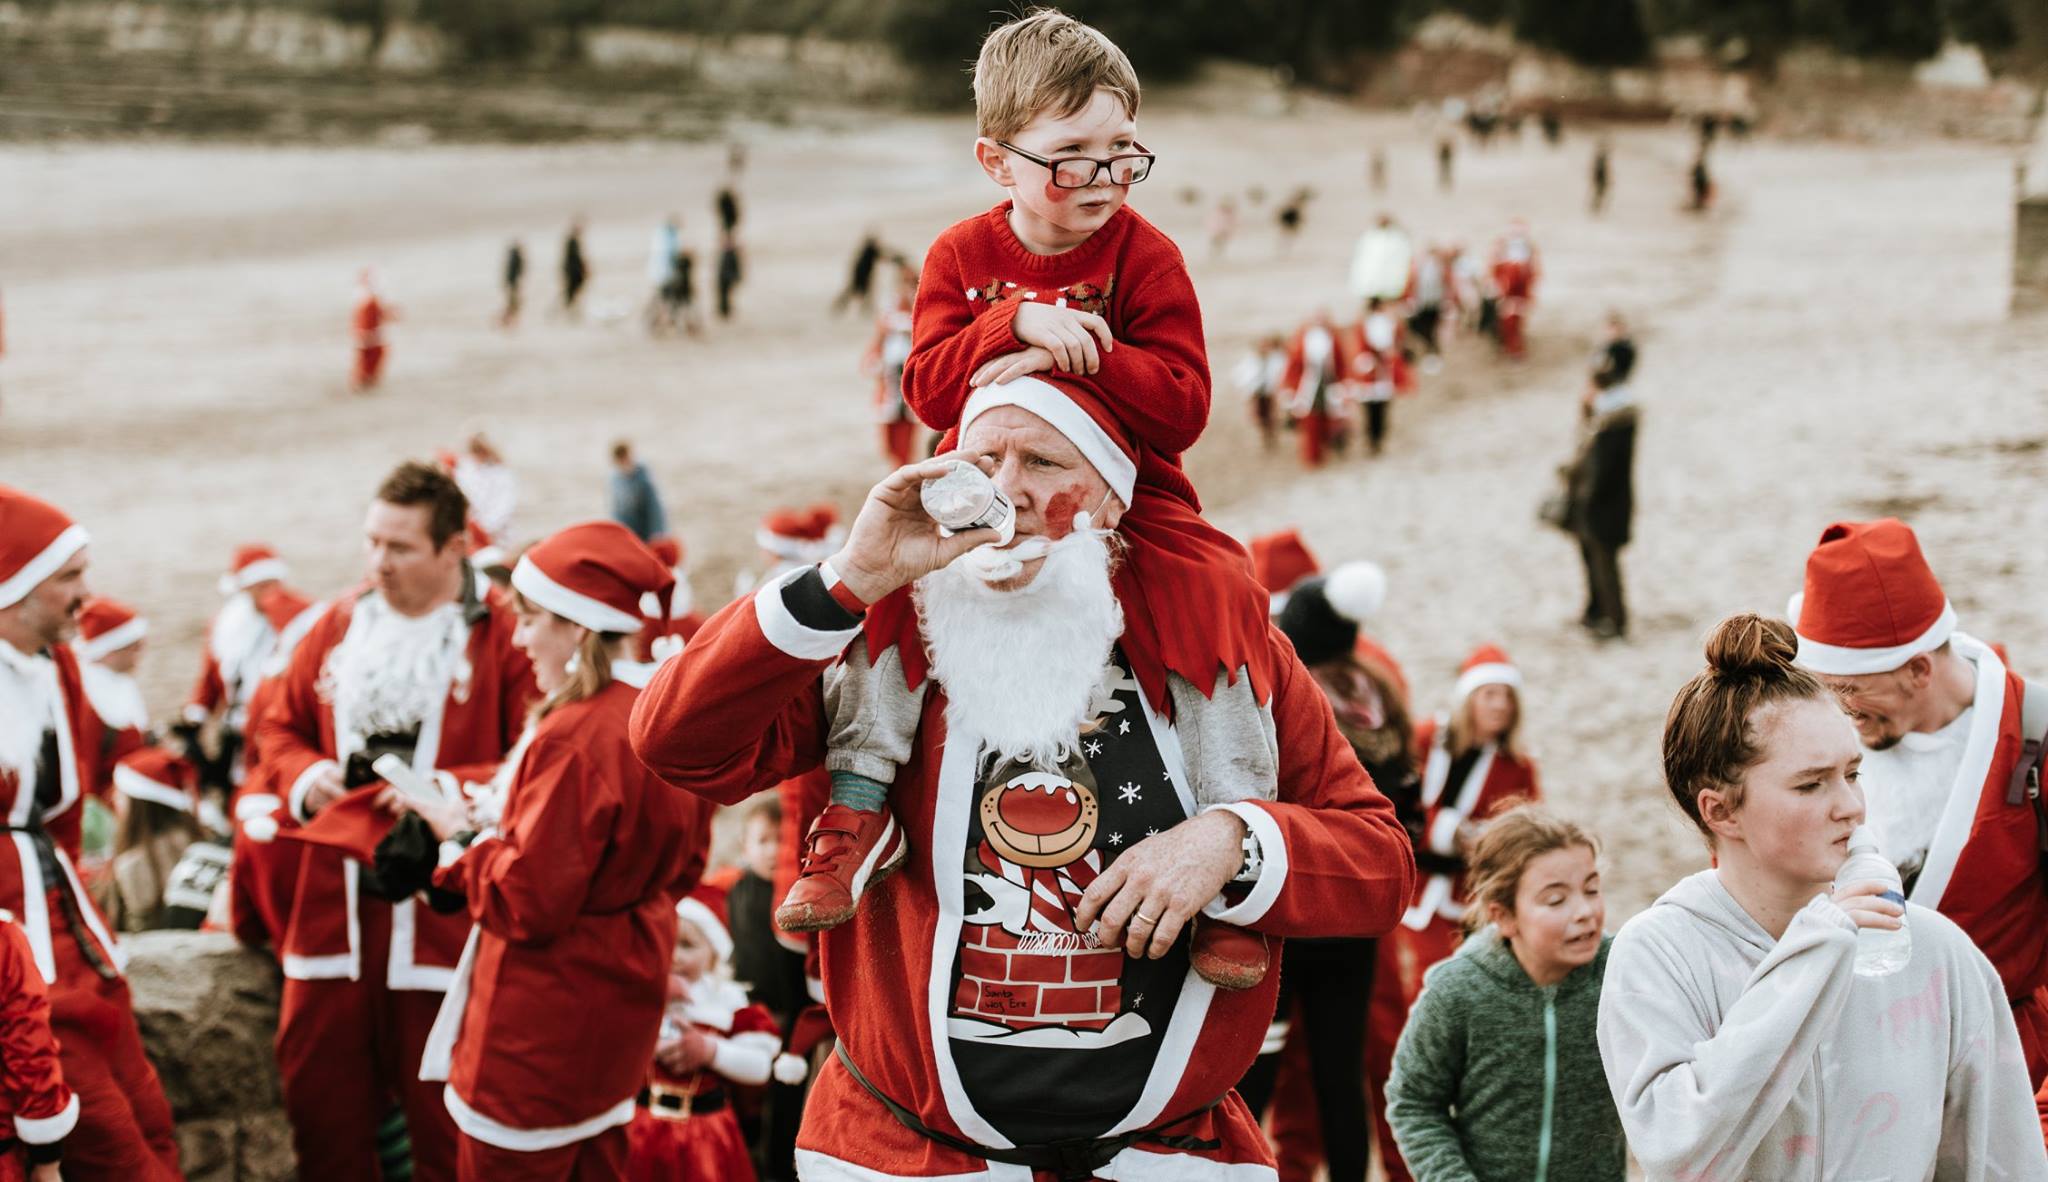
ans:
x=1356 y=590
x=790 y=1070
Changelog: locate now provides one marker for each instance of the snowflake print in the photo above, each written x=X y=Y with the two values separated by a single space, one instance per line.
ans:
x=1116 y=839
x=1131 y=793
x=1151 y=832
x=1092 y=747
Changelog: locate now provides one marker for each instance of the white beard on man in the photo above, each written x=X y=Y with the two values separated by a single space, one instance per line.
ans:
x=1020 y=667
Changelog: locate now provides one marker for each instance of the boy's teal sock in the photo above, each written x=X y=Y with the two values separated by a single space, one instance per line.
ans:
x=859 y=793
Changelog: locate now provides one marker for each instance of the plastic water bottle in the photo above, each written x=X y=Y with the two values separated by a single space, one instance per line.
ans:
x=1879 y=953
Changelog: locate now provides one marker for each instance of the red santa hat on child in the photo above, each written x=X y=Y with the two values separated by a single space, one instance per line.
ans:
x=704 y=907
x=252 y=564
x=36 y=538
x=1075 y=411
x=160 y=777
x=593 y=574
x=801 y=535
x=1280 y=560
x=1871 y=603
x=669 y=552
x=107 y=626
x=1488 y=665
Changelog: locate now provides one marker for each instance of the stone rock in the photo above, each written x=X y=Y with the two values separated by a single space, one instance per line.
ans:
x=208 y=1011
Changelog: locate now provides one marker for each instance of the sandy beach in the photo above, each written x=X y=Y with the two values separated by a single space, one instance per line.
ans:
x=1830 y=342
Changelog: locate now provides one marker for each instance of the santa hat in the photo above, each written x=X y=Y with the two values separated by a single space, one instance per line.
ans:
x=705 y=908
x=107 y=626
x=1279 y=561
x=594 y=575
x=669 y=552
x=800 y=535
x=252 y=564
x=156 y=775
x=1324 y=612
x=1488 y=665
x=1871 y=603
x=1076 y=411
x=36 y=538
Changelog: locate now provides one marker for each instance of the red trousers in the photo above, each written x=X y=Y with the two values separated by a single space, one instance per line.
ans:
x=1315 y=435
x=124 y=1123
x=595 y=1159
x=346 y=1050
x=369 y=364
x=899 y=441
x=1511 y=315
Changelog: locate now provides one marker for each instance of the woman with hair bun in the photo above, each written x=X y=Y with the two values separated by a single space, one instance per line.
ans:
x=1738 y=1035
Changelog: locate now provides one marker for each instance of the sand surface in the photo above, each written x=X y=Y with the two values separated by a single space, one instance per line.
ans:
x=1829 y=343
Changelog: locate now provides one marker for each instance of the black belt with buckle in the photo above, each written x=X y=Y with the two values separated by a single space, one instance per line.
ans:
x=677 y=1104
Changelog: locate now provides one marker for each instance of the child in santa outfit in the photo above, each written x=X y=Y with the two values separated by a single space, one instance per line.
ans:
x=109 y=647
x=1473 y=767
x=165 y=865
x=1258 y=379
x=38 y=1109
x=712 y=1037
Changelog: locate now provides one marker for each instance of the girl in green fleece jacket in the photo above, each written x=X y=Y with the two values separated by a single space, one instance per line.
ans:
x=1498 y=1077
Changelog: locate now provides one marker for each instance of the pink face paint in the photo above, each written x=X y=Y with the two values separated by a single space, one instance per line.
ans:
x=1060 y=509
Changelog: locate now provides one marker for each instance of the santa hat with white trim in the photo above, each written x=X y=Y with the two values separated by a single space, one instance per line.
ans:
x=1075 y=411
x=801 y=535
x=593 y=574
x=1323 y=615
x=160 y=777
x=1871 y=602
x=669 y=551
x=1488 y=665
x=36 y=539
x=1279 y=561
x=106 y=626
x=251 y=564
x=704 y=908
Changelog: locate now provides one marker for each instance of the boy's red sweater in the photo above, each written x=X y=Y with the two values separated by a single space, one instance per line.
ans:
x=977 y=275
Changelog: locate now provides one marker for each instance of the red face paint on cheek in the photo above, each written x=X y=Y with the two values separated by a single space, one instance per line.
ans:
x=1059 y=512
x=1056 y=195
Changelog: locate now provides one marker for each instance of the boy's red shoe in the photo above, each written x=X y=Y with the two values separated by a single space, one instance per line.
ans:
x=846 y=851
x=1227 y=956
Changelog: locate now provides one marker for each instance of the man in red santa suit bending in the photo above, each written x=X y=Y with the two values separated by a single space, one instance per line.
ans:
x=117 y=1127
x=1018 y=997
x=1944 y=777
x=421 y=666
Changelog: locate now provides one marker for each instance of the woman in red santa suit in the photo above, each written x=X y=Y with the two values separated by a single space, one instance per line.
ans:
x=712 y=1037
x=1473 y=767
x=568 y=863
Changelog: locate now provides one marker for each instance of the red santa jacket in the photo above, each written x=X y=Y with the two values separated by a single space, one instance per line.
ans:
x=1983 y=866
x=976 y=276
x=546 y=1033
x=1497 y=780
x=233 y=665
x=32 y=1089
x=742 y=709
x=1372 y=364
x=33 y=691
x=1515 y=272
x=1298 y=385
x=467 y=734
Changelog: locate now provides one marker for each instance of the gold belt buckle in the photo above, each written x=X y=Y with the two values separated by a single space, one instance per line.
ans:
x=657 y=1093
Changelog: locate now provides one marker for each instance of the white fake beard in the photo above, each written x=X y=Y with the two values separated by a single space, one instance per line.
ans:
x=240 y=641
x=1020 y=668
x=391 y=670
x=24 y=715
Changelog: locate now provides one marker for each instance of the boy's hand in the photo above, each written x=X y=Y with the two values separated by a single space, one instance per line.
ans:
x=1070 y=335
x=1013 y=365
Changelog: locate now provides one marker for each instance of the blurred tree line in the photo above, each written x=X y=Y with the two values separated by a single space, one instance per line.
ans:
x=1315 y=40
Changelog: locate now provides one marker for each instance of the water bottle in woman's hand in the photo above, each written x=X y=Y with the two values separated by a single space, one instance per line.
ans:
x=1879 y=952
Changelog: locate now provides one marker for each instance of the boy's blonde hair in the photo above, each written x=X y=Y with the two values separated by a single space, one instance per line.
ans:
x=1513 y=839
x=1045 y=61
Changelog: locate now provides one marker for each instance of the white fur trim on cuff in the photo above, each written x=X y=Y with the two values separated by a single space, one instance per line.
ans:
x=42 y=1130
x=15 y=587
x=1443 y=832
x=785 y=633
x=1492 y=673
x=113 y=641
x=448 y=854
x=1273 y=852
x=1050 y=403
x=295 y=800
x=257 y=804
x=574 y=606
x=1834 y=661
x=136 y=786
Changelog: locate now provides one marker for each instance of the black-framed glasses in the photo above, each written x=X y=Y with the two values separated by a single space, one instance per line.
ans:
x=1079 y=172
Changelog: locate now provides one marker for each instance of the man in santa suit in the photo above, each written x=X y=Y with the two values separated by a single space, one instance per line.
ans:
x=1516 y=268
x=1944 y=778
x=109 y=647
x=1318 y=362
x=418 y=666
x=1379 y=366
x=259 y=617
x=50 y=745
x=366 y=329
x=1035 y=935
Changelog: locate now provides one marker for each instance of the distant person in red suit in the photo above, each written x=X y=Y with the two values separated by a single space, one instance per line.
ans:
x=1314 y=385
x=1516 y=267
x=366 y=324
x=884 y=361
